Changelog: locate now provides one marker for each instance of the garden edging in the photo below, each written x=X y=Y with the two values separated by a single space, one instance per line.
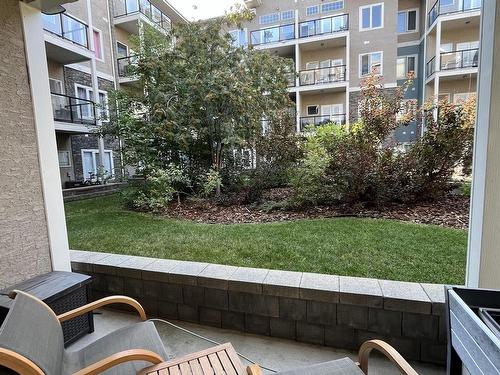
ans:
x=337 y=311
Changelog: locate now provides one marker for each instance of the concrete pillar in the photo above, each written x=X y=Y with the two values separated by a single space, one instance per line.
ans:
x=437 y=60
x=297 y=83
x=483 y=257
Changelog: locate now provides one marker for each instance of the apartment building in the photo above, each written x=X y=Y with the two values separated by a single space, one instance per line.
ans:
x=88 y=48
x=335 y=43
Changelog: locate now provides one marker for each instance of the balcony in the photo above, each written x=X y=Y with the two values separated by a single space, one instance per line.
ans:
x=329 y=74
x=272 y=35
x=455 y=7
x=126 y=67
x=323 y=26
x=459 y=59
x=66 y=38
x=128 y=12
x=319 y=120
x=68 y=110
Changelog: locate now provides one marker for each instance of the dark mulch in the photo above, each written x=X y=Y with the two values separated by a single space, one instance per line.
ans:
x=451 y=211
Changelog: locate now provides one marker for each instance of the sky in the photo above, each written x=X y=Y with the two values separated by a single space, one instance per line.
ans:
x=204 y=8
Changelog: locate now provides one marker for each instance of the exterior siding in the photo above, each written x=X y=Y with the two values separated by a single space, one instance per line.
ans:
x=24 y=244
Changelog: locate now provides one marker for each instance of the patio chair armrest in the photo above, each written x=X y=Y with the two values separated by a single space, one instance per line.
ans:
x=254 y=370
x=119 y=358
x=100 y=303
x=18 y=363
x=386 y=349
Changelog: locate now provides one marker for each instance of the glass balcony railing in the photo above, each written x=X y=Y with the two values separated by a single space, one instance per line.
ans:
x=272 y=34
x=145 y=7
x=451 y=6
x=67 y=27
x=430 y=67
x=74 y=110
x=329 y=74
x=459 y=59
x=324 y=26
x=322 y=120
x=126 y=64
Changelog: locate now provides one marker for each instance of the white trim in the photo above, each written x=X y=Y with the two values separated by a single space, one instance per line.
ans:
x=417 y=20
x=360 y=75
x=100 y=44
x=36 y=61
x=360 y=19
x=123 y=44
x=89 y=97
x=411 y=43
x=60 y=82
x=406 y=65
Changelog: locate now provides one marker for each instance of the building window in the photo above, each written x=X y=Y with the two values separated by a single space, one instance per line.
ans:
x=312 y=10
x=408 y=108
x=84 y=92
x=121 y=49
x=408 y=21
x=98 y=45
x=287 y=15
x=371 y=17
x=269 y=18
x=406 y=65
x=461 y=97
x=64 y=158
x=90 y=162
x=239 y=38
x=56 y=86
x=370 y=63
x=330 y=7
x=312 y=110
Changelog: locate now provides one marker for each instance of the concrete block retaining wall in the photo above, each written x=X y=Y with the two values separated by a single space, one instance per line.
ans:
x=336 y=311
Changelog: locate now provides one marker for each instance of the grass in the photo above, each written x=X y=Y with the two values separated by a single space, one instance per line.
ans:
x=344 y=246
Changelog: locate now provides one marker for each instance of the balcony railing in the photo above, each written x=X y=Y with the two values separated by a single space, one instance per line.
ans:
x=324 y=26
x=74 y=110
x=322 y=120
x=329 y=74
x=67 y=27
x=145 y=7
x=430 y=67
x=456 y=6
x=459 y=59
x=126 y=65
x=272 y=34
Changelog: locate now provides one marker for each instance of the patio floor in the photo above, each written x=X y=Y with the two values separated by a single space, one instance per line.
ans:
x=271 y=352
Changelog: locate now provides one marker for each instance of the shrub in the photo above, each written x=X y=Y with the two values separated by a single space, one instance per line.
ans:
x=160 y=187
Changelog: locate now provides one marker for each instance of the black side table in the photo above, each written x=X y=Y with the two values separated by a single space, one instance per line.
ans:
x=62 y=292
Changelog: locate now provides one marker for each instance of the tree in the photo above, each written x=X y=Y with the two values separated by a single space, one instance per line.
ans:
x=199 y=98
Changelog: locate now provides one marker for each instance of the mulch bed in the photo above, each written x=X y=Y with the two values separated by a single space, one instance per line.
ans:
x=451 y=211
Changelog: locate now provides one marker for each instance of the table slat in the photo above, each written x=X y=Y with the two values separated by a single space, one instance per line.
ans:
x=195 y=367
x=174 y=370
x=185 y=369
x=205 y=365
x=226 y=363
x=214 y=361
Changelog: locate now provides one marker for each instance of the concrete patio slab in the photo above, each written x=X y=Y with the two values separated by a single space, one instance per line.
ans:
x=275 y=353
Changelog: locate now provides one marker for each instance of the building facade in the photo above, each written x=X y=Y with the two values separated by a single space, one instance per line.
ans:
x=88 y=48
x=335 y=43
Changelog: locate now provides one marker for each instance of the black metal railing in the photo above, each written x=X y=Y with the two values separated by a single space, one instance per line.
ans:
x=468 y=58
x=66 y=27
x=306 y=121
x=272 y=34
x=128 y=7
x=455 y=7
x=329 y=74
x=71 y=109
x=430 y=67
x=126 y=65
x=324 y=26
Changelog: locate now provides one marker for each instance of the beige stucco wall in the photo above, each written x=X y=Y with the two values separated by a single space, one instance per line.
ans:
x=56 y=70
x=24 y=246
x=321 y=99
x=466 y=34
x=413 y=4
x=458 y=85
x=322 y=54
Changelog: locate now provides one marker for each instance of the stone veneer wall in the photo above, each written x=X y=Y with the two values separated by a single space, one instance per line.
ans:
x=336 y=311
x=24 y=245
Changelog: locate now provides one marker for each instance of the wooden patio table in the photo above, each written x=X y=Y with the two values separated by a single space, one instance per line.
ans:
x=219 y=360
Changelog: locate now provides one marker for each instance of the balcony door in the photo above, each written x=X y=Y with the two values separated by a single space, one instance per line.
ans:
x=90 y=159
x=332 y=113
x=309 y=76
x=469 y=54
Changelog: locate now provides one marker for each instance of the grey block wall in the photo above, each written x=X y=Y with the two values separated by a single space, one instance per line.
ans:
x=336 y=311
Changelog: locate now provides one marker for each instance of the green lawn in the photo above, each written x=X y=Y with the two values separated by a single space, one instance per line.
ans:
x=344 y=246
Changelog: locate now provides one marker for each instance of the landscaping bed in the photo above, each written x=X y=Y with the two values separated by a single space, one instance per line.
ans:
x=451 y=211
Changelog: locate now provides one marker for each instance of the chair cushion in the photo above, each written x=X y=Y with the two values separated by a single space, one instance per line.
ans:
x=344 y=366
x=137 y=336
